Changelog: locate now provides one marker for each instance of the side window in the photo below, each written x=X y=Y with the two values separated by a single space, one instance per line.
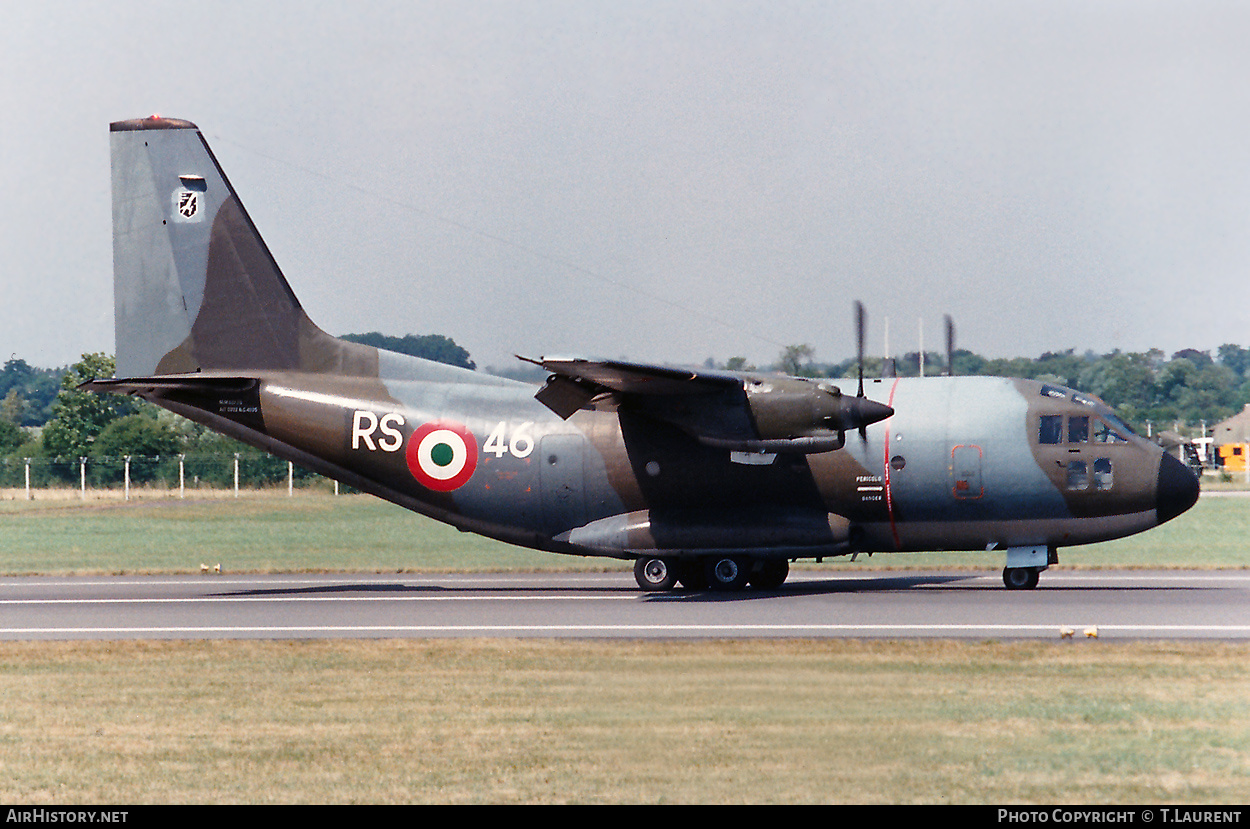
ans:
x=1050 y=429
x=1103 y=478
x=1078 y=429
x=1105 y=434
x=1078 y=476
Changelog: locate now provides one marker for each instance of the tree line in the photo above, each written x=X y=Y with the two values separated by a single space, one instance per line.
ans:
x=44 y=418
x=1148 y=390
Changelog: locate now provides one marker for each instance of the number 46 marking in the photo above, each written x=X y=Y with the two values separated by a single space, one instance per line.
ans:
x=520 y=445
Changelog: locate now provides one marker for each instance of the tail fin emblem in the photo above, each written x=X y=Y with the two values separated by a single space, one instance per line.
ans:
x=188 y=204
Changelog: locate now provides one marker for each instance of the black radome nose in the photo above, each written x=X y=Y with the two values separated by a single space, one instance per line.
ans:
x=1177 y=489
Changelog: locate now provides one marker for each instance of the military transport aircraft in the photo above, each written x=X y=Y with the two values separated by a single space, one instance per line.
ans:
x=705 y=479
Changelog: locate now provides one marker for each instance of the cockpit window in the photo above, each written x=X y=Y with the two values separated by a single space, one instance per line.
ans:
x=1105 y=434
x=1078 y=429
x=1050 y=429
x=1117 y=424
x=1052 y=392
x=1103 y=478
x=1078 y=476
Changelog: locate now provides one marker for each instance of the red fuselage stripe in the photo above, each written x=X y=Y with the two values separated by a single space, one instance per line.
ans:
x=889 y=498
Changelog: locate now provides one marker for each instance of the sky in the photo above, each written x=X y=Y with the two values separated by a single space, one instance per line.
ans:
x=662 y=181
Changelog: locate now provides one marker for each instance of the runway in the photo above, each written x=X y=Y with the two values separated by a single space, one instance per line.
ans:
x=1119 y=605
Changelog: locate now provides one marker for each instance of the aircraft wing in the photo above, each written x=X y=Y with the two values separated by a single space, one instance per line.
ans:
x=701 y=403
x=637 y=378
x=739 y=412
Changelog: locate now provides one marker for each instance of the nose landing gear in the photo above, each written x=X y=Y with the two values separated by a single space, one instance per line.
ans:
x=1021 y=578
x=1025 y=564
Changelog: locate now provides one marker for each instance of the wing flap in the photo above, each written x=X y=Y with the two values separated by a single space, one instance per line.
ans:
x=638 y=378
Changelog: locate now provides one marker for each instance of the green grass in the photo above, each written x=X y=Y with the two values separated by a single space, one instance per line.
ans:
x=267 y=531
x=604 y=722
x=260 y=531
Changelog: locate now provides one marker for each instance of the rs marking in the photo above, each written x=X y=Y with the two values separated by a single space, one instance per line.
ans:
x=365 y=423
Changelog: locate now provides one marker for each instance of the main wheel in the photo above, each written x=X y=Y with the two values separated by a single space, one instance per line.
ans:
x=727 y=572
x=655 y=573
x=771 y=574
x=1020 y=578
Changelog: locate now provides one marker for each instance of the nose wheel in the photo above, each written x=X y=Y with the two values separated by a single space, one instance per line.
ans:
x=1021 y=578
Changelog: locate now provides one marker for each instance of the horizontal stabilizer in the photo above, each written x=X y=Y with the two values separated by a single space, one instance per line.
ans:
x=150 y=385
x=235 y=399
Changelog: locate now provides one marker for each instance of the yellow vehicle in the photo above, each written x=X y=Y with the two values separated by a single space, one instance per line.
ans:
x=1233 y=456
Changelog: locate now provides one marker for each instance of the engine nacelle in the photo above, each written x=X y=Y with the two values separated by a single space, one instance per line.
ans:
x=807 y=413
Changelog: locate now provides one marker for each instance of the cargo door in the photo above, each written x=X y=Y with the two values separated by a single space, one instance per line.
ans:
x=562 y=481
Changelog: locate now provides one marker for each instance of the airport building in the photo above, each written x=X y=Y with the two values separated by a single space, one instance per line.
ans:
x=1232 y=441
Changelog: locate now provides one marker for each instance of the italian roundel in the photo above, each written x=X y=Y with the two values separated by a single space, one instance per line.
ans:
x=442 y=455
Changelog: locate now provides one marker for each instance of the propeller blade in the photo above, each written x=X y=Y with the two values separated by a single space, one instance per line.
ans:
x=950 y=346
x=860 y=324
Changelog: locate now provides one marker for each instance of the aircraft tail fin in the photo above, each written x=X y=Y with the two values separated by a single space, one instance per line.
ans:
x=195 y=287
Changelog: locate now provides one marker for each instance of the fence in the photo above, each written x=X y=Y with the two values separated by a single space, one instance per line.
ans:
x=178 y=472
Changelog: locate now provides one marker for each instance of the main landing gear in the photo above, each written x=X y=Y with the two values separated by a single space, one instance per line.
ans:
x=723 y=573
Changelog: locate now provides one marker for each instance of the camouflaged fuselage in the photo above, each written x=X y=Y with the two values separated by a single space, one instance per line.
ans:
x=608 y=459
x=959 y=466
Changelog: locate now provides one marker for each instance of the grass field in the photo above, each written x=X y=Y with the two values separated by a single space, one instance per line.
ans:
x=499 y=721
x=504 y=721
x=315 y=530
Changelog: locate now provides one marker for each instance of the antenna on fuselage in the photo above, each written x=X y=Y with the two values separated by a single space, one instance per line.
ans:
x=887 y=360
x=920 y=326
